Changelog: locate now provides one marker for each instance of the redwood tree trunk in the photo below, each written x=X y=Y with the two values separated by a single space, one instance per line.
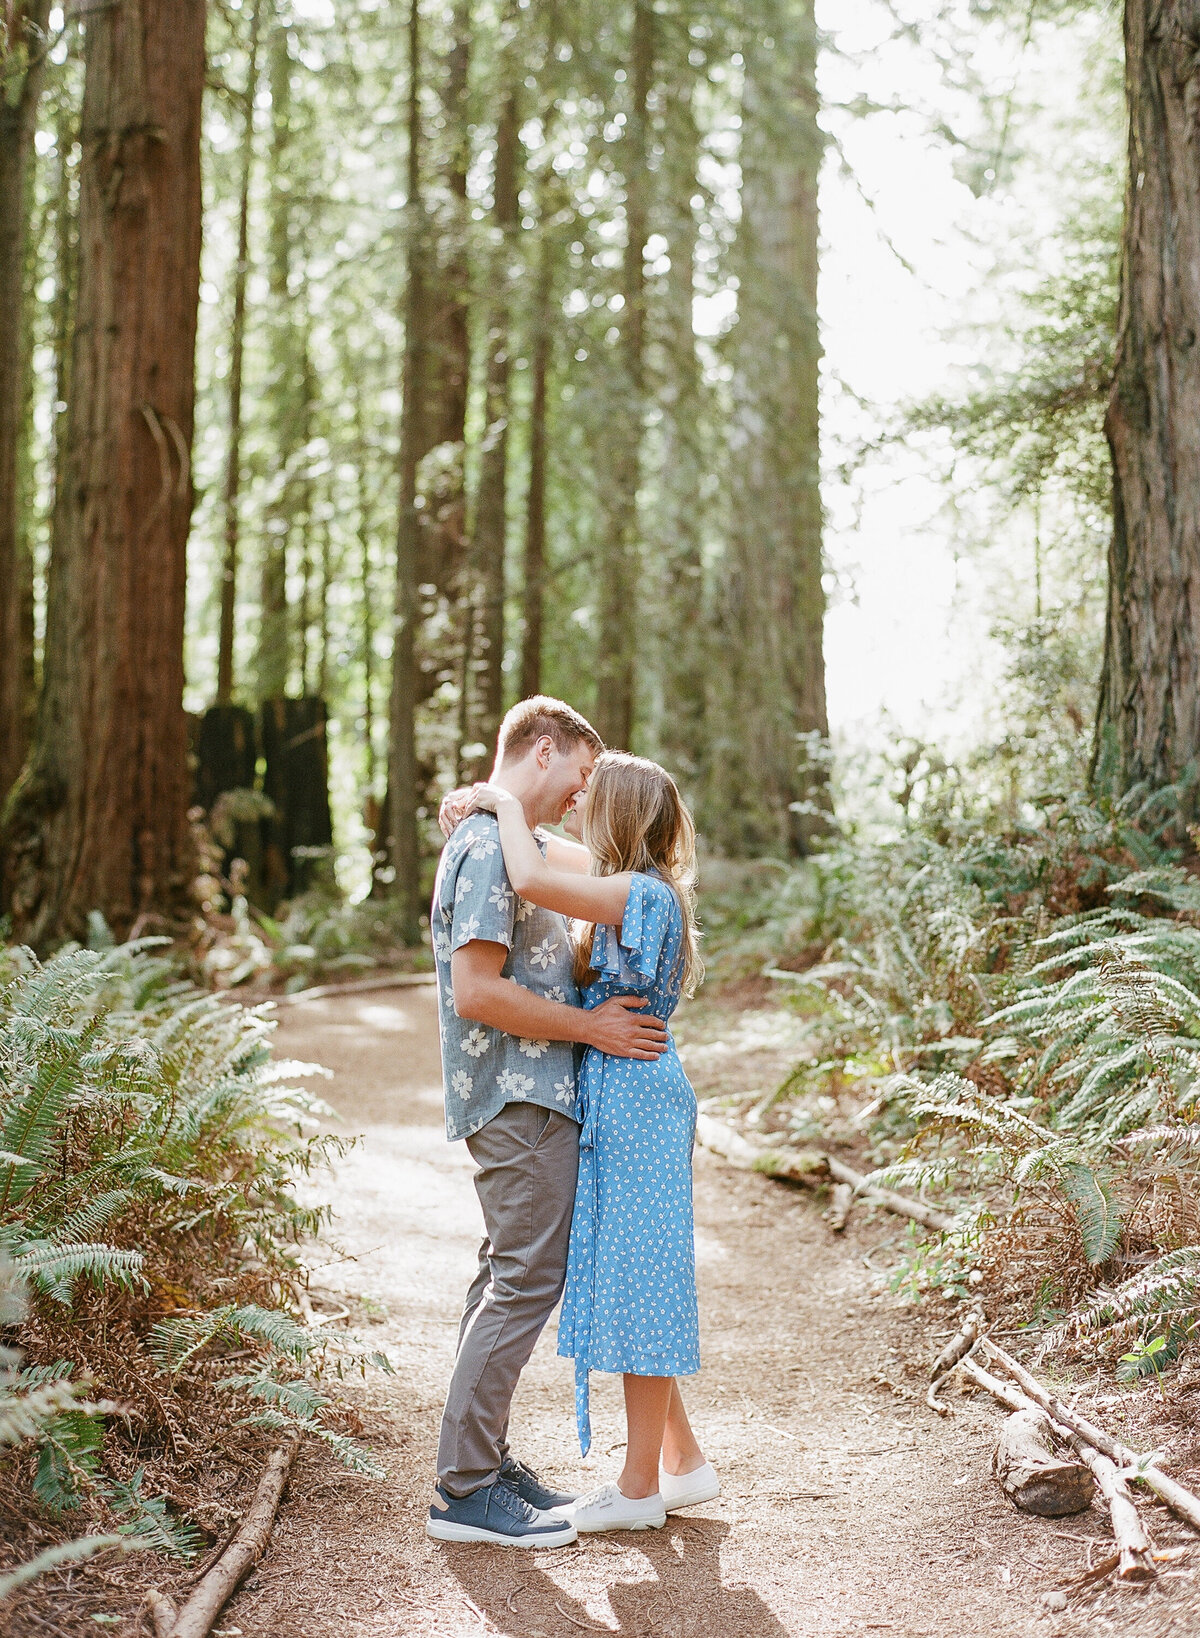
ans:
x=491 y=499
x=1148 y=723
x=773 y=683
x=100 y=823
x=25 y=27
x=619 y=567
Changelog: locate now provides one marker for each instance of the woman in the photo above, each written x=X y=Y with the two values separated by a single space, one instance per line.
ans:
x=630 y=1299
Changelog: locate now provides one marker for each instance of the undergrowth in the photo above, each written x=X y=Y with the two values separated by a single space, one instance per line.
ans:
x=1011 y=1021
x=150 y=1225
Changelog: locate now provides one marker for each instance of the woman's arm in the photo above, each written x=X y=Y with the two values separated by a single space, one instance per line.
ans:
x=565 y=855
x=590 y=898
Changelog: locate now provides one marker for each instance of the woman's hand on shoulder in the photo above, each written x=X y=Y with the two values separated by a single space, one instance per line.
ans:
x=485 y=798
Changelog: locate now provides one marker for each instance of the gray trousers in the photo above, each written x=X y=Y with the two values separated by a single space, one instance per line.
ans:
x=527 y=1157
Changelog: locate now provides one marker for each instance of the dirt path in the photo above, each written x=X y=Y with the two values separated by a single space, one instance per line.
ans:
x=847 y=1507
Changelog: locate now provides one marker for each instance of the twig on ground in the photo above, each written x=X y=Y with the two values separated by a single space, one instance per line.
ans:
x=1179 y=1499
x=203 y=1606
x=1132 y=1561
x=810 y=1166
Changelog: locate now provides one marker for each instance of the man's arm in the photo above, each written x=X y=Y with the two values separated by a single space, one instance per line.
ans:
x=484 y=996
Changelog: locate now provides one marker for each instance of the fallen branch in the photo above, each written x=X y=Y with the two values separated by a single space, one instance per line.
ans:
x=839 y=1206
x=964 y=1340
x=899 y=1203
x=1177 y=1498
x=809 y=1166
x=162 y=1611
x=1133 y=1560
x=214 y=1589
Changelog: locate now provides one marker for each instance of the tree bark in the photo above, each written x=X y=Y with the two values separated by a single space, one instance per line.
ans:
x=403 y=796
x=1148 y=721
x=25 y=29
x=774 y=604
x=534 y=560
x=491 y=500
x=237 y=347
x=684 y=633
x=99 y=821
x=273 y=656
x=619 y=567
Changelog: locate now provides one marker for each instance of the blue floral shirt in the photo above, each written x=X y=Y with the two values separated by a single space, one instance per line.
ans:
x=482 y=1068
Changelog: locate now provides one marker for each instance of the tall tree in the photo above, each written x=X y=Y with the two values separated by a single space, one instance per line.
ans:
x=491 y=499
x=100 y=820
x=21 y=76
x=533 y=577
x=774 y=605
x=289 y=383
x=403 y=798
x=237 y=350
x=683 y=641
x=1148 y=724
x=619 y=570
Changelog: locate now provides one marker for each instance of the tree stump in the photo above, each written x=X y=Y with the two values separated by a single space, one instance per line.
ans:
x=297 y=782
x=1032 y=1476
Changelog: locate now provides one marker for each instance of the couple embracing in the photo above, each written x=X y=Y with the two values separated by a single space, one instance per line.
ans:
x=584 y=1164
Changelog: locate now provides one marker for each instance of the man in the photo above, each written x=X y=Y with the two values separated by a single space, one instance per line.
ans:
x=510 y=1015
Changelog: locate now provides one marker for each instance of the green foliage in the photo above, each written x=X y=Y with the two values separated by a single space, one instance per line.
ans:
x=148 y=1141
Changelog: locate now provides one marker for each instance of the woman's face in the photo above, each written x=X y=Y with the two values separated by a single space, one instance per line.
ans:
x=573 y=818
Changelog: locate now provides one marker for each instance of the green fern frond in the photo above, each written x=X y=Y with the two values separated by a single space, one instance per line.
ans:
x=349 y=1453
x=1096 y=1211
x=1167 y=1293
x=53 y=1558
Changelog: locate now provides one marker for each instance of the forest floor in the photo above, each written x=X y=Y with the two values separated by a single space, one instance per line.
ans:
x=847 y=1506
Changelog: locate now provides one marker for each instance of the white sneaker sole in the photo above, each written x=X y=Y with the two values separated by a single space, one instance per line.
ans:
x=445 y=1530
x=631 y=1524
x=706 y=1492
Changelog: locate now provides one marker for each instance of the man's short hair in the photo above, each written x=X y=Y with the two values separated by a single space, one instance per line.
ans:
x=531 y=719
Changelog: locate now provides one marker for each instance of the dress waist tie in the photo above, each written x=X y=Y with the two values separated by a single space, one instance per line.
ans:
x=586 y=1214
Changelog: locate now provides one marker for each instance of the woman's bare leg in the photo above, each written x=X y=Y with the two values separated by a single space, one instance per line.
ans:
x=680 y=1452
x=647 y=1399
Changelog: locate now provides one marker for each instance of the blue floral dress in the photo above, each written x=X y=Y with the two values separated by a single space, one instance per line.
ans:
x=630 y=1298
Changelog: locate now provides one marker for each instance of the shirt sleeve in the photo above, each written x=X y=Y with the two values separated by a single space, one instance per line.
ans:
x=645 y=928
x=479 y=898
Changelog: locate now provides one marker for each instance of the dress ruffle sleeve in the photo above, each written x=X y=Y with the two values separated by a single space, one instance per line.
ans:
x=633 y=955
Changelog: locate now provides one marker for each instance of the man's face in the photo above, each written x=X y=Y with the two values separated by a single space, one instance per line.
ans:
x=567 y=775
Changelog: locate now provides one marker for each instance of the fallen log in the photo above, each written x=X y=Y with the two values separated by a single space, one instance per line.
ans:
x=162 y=1611
x=809 y=1166
x=217 y=1586
x=1033 y=1477
x=1133 y=1560
x=1179 y=1499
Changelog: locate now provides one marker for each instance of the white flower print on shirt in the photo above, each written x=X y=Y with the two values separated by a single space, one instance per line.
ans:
x=524 y=909
x=482 y=847
x=462 y=1083
x=564 y=1093
x=476 y=1043
x=556 y=993
x=501 y=897
x=468 y=930
x=543 y=955
x=513 y=1084
x=441 y=946
x=533 y=1049
x=465 y=884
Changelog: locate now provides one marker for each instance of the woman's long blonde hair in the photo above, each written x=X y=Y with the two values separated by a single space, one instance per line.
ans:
x=635 y=819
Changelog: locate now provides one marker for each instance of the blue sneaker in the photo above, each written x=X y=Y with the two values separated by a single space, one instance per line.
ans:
x=531 y=1489
x=495 y=1514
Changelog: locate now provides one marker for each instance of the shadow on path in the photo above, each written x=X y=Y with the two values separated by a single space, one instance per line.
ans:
x=683 y=1596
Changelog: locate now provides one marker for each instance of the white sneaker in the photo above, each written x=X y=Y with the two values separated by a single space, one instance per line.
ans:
x=608 y=1509
x=688 y=1489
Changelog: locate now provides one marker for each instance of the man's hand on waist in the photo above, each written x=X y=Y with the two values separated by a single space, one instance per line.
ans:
x=617 y=1027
